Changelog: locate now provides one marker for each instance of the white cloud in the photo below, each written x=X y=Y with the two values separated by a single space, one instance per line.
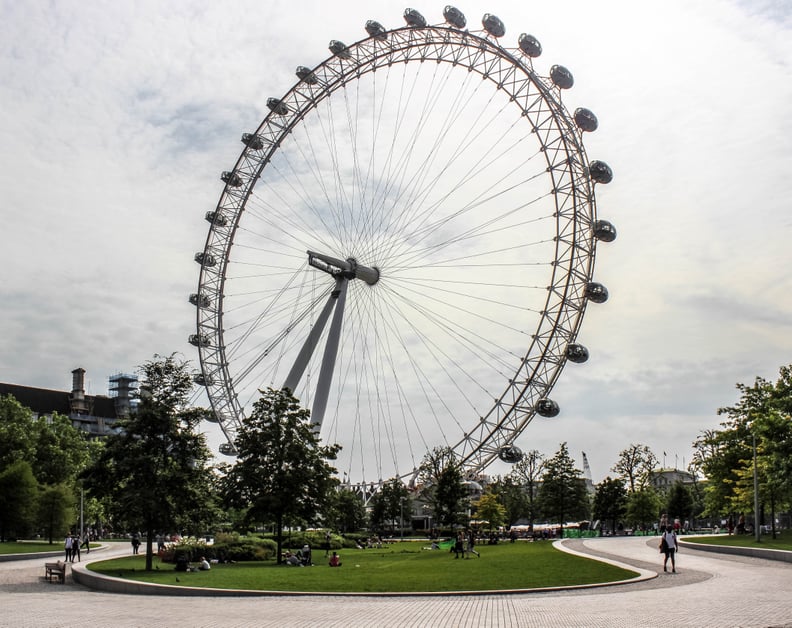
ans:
x=119 y=117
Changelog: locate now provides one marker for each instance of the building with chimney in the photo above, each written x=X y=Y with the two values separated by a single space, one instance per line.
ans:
x=94 y=414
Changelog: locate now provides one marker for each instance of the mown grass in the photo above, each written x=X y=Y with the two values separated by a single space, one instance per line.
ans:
x=782 y=542
x=401 y=567
x=30 y=547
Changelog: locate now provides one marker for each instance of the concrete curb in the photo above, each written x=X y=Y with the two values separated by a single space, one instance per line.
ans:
x=755 y=552
x=85 y=577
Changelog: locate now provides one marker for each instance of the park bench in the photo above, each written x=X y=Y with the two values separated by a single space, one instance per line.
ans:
x=55 y=570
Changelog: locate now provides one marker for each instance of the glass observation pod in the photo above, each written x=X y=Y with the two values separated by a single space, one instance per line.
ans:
x=231 y=178
x=454 y=17
x=561 y=77
x=511 y=454
x=547 y=408
x=200 y=300
x=530 y=45
x=604 y=231
x=596 y=292
x=493 y=25
x=413 y=18
x=585 y=120
x=577 y=353
x=253 y=141
x=376 y=30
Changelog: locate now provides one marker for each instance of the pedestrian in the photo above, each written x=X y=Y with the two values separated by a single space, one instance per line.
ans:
x=135 y=543
x=471 y=541
x=327 y=543
x=76 y=547
x=87 y=543
x=668 y=545
x=67 y=546
x=459 y=545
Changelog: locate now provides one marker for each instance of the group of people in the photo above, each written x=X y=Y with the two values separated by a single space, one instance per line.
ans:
x=183 y=564
x=465 y=544
x=300 y=558
x=72 y=545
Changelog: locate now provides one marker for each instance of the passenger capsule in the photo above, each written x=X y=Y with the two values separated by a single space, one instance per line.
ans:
x=205 y=259
x=227 y=449
x=493 y=25
x=200 y=340
x=600 y=172
x=577 y=353
x=510 y=454
x=200 y=300
x=376 y=30
x=413 y=18
x=251 y=140
x=306 y=75
x=604 y=231
x=561 y=77
x=205 y=380
x=547 y=408
x=454 y=16
x=530 y=45
x=586 y=120
x=277 y=106
x=216 y=218
x=231 y=178
x=339 y=49
x=596 y=292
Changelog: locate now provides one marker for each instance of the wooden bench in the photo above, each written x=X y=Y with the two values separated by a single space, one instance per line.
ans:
x=55 y=570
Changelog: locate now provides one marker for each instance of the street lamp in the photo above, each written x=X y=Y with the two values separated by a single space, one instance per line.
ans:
x=401 y=517
x=756 y=493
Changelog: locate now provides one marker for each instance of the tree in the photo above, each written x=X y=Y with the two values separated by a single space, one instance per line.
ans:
x=643 y=507
x=61 y=451
x=389 y=504
x=442 y=486
x=680 y=502
x=347 y=512
x=18 y=495
x=634 y=466
x=610 y=501
x=16 y=427
x=55 y=510
x=563 y=492
x=489 y=508
x=282 y=472
x=513 y=497
x=155 y=472
x=528 y=473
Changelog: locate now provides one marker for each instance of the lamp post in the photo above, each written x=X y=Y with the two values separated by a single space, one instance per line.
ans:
x=401 y=518
x=756 y=493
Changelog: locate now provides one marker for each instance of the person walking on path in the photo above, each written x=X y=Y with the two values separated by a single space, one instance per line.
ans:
x=669 y=542
x=67 y=546
x=76 y=547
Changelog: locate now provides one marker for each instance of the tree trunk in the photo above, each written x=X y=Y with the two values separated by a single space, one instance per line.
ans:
x=279 y=537
x=149 y=538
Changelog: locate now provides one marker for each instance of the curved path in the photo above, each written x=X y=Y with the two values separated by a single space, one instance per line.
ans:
x=709 y=590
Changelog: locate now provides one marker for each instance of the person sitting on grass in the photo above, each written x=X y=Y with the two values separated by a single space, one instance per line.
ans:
x=335 y=560
x=291 y=560
x=204 y=566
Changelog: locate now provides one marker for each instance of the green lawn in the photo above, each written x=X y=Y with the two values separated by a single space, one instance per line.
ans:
x=29 y=547
x=782 y=542
x=401 y=567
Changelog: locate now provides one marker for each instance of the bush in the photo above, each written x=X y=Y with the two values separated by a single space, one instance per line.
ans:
x=227 y=547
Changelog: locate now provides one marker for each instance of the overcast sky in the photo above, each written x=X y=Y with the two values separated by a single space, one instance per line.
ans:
x=118 y=118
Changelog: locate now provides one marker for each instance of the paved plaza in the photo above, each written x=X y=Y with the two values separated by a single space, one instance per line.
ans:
x=710 y=590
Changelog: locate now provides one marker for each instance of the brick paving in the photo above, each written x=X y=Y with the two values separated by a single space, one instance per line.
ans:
x=709 y=590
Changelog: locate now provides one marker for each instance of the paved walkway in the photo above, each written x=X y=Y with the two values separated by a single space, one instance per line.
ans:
x=709 y=590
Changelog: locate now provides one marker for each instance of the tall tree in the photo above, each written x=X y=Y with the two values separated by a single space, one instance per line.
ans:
x=514 y=498
x=563 y=493
x=390 y=503
x=442 y=486
x=18 y=500
x=634 y=465
x=282 y=471
x=155 y=471
x=55 y=510
x=643 y=507
x=680 y=502
x=610 y=501
x=347 y=512
x=16 y=429
x=528 y=474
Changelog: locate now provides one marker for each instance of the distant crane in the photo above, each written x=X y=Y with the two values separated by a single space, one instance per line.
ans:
x=586 y=468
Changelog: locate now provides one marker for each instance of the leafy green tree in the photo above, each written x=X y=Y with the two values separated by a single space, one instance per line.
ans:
x=513 y=497
x=55 y=510
x=528 y=474
x=489 y=508
x=347 y=512
x=563 y=493
x=680 y=502
x=643 y=507
x=442 y=486
x=18 y=500
x=634 y=465
x=155 y=472
x=282 y=471
x=389 y=504
x=61 y=451
x=16 y=427
x=610 y=501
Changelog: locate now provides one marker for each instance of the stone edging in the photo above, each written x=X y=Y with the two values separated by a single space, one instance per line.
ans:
x=756 y=552
x=82 y=575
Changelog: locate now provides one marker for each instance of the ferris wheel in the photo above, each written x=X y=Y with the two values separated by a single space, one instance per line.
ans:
x=407 y=243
